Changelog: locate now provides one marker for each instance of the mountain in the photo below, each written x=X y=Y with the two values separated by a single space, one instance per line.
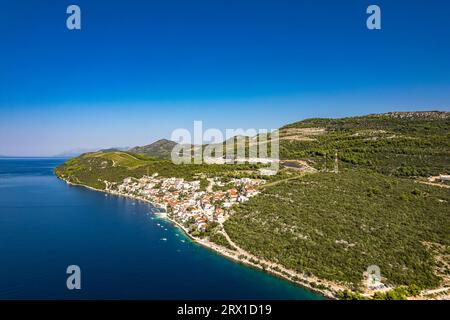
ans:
x=79 y=151
x=159 y=149
x=115 y=149
x=75 y=152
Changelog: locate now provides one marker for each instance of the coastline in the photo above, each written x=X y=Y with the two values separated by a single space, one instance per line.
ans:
x=227 y=253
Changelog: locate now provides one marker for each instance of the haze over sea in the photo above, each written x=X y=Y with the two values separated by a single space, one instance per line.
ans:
x=47 y=225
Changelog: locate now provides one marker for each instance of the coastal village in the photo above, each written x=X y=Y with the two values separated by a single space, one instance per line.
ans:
x=185 y=202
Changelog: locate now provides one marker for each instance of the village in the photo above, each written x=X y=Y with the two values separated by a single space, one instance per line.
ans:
x=186 y=202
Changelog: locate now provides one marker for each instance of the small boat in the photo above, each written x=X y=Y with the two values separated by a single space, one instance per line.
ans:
x=176 y=234
x=158 y=224
x=164 y=239
x=182 y=241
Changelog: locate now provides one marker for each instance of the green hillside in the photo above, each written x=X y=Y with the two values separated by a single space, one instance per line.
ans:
x=159 y=149
x=335 y=225
x=400 y=144
x=92 y=169
x=373 y=212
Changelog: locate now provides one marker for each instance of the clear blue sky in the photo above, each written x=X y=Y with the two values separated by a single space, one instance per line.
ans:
x=139 y=69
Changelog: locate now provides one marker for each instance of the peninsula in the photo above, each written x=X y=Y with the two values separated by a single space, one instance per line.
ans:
x=351 y=193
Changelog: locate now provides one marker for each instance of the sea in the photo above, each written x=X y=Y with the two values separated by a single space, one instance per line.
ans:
x=122 y=249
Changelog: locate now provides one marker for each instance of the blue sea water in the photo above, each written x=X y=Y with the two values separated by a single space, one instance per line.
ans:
x=47 y=225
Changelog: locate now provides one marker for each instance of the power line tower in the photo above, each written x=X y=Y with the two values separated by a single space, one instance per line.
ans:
x=336 y=162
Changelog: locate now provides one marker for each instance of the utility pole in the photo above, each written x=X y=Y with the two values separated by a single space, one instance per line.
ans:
x=325 y=167
x=336 y=162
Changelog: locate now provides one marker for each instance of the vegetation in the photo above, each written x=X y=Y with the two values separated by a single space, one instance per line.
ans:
x=159 y=149
x=92 y=169
x=220 y=239
x=350 y=295
x=399 y=293
x=336 y=225
x=400 y=144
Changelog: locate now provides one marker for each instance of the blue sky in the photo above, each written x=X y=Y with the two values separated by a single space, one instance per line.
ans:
x=139 y=69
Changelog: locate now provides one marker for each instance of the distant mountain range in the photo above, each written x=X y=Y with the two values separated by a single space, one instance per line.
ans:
x=77 y=152
x=162 y=148
x=159 y=149
x=317 y=133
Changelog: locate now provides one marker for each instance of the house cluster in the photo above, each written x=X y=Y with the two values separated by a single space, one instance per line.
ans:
x=185 y=201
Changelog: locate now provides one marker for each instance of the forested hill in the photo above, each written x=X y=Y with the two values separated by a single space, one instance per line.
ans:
x=396 y=143
x=159 y=149
x=377 y=209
